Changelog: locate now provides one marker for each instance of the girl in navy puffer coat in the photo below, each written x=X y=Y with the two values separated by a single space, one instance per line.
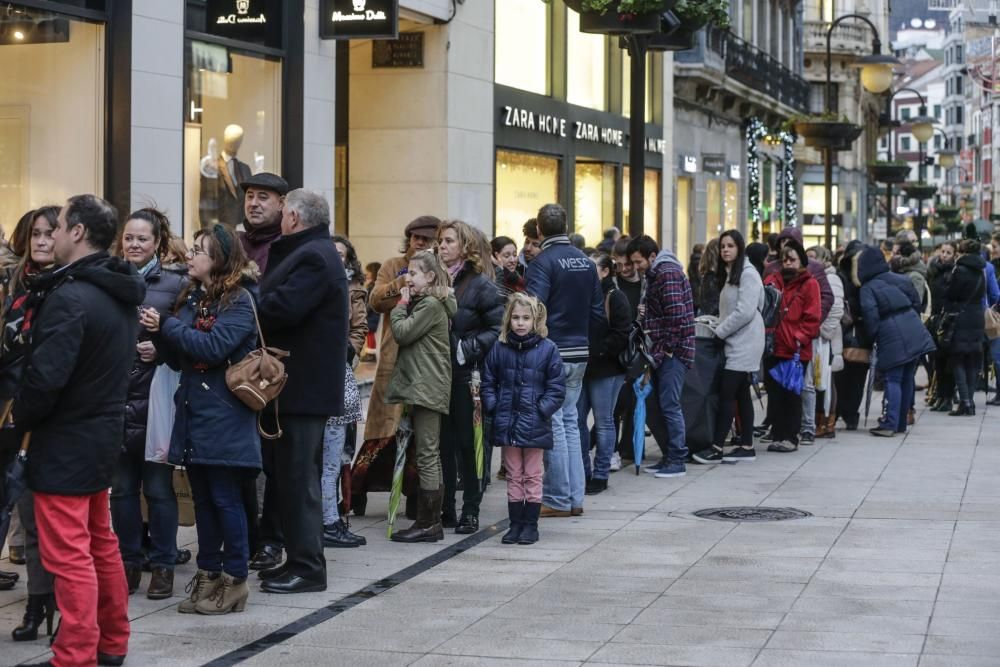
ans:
x=522 y=388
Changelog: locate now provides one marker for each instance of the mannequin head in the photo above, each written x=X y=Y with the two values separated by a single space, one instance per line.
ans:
x=232 y=139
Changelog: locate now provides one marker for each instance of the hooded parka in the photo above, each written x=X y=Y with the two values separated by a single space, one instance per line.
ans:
x=422 y=373
x=964 y=296
x=800 y=315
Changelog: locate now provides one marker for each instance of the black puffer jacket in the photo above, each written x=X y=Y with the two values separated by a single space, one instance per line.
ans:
x=608 y=339
x=965 y=297
x=938 y=278
x=76 y=382
x=476 y=325
x=162 y=289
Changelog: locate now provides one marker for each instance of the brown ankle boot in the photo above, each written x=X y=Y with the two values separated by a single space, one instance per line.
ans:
x=831 y=425
x=820 y=423
x=428 y=525
x=202 y=586
x=161 y=584
x=230 y=595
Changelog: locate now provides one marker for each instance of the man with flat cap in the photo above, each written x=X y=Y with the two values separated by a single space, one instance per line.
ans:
x=262 y=208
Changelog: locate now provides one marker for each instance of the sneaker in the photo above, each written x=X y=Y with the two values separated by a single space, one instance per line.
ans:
x=768 y=438
x=707 y=456
x=882 y=432
x=761 y=430
x=655 y=468
x=740 y=454
x=671 y=470
x=616 y=462
x=807 y=439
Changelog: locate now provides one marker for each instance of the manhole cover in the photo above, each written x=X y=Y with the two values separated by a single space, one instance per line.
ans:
x=752 y=513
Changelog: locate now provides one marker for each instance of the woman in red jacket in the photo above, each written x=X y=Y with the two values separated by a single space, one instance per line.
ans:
x=799 y=324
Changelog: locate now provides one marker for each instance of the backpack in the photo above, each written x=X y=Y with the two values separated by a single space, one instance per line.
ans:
x=635 y=358
x=771 y=308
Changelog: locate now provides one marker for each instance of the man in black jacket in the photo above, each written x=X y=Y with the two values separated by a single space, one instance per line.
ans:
x=72 y=401
x=304 y=310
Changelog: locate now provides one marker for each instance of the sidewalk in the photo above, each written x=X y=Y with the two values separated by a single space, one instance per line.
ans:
x=898 y=566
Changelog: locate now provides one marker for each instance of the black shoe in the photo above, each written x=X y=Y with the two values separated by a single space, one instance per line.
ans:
x=336 y=535
x=271 y=574
x=12 y=577
x=467 y=525
x=759 y=431
x=448 y=519
x=110 y=660
x=183 y=556
x=289 y=583
x=266 y=558
x=851 y=424
x=40 y=608
x=515 y=511
x=133 y=575
x=994 y=401
x=529 y=523
x=961 y=410
x=36 y=664
x=741 y=454
x=807 y=439
x=16 y=555
x=707 y=456
x=595 y=486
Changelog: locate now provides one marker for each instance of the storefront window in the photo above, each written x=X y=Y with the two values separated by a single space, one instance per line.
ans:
x=650 y=202
x=232 y=130
x=732 y=211
x=524 y=183
x=522 y=45
x=51 y=111
x=682 y=217
x=586 y=57
x=627 y=86
x=594 y=200
x=713 y=218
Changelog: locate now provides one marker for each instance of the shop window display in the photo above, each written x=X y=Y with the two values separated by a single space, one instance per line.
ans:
x=232 y=130
x=594 y=204
x=49 y=59
x=586 y=58
x=524 y=183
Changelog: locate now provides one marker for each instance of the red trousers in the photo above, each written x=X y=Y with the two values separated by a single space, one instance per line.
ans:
x=81 y=552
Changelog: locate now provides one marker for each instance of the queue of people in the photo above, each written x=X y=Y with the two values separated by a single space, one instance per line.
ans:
x=534 y=351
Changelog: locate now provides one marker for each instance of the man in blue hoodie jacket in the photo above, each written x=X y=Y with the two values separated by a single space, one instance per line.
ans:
x=566 y=281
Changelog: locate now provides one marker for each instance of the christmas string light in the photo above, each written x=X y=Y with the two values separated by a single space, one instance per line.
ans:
x=791 y=191
x=755 y=131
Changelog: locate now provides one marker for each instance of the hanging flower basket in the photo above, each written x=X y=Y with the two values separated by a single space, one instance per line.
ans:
x=889 y=172
x=827 y=134
x=613 y=23
x=945 y=212
x=954 y=225
x=919 y=191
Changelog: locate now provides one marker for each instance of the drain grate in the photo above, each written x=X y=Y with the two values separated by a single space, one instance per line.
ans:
x=752 y=513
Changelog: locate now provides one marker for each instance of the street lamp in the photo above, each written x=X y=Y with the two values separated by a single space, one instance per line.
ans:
x=876 y=77
x=922 y=129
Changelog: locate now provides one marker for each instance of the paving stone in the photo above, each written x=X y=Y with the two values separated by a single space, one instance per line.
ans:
x=785 y=658
x=693 y=656
x=525 y=647
x=846 y=641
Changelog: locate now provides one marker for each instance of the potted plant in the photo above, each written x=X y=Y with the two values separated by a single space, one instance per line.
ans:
x=947 y=212
x=621 y=17
x=693 y=16
x=894 y=171
x=939 y=230
x=953 y=225
x=826 y=130
x=919 y=191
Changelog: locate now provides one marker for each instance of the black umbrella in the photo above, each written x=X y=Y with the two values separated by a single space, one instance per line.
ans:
x=15 y=484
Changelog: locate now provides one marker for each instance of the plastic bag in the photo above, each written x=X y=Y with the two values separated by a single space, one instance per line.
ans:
x=160 y=420
x=788 y=373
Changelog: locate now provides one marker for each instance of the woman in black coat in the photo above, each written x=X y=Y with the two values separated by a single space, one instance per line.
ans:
x=465 y=253
x=850 y=382
x=938 y=277
x=604 y=377
x=964 y=302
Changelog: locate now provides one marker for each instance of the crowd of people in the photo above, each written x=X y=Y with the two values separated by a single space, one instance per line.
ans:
x=119 y=346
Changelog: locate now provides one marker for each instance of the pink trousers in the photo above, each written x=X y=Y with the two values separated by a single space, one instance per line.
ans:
x=524 y=474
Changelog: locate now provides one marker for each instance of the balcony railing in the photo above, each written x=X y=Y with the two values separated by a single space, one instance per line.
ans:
x=846 y=37
x=757 y=69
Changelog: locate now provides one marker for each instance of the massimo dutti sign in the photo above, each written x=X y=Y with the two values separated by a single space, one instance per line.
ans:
x=239 y=19
x=359 y=19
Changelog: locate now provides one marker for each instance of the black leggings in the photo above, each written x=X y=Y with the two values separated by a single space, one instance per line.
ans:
x=966 y=369
x=784 y=407
x=734 y=394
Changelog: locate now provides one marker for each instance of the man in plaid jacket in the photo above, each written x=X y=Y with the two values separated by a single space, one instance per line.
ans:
x=668 y=319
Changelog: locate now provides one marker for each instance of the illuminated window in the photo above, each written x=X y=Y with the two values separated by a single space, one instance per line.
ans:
x=682 y=217
x=522 y=45
x=627 y=86
x=713 y=219
x=732 y=210
x=650 y=202
x=524 y=183
x=586 y=57
x=594 y=200
x=812 y=199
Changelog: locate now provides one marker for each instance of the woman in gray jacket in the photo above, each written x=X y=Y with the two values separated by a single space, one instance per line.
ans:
x=741 y=327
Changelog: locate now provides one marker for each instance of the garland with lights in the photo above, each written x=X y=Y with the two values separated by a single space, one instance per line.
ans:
x=755 y=131
x=791 y=191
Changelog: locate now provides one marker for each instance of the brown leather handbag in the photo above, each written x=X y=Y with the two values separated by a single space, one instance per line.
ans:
x=259 y=377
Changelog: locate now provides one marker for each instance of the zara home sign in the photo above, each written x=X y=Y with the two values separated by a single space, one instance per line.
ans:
x=359 y=19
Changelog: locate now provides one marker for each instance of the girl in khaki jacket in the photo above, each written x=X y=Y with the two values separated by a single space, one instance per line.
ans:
x=421 y=379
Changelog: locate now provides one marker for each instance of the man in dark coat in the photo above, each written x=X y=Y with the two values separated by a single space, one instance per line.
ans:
x=304 y=310
x=262 y=205
x=72 y=402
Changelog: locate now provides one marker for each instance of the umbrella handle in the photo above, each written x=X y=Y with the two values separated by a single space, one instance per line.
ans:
x=25 y=441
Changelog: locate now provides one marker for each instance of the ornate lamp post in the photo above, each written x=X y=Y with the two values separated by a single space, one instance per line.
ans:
x=922 y=128
x=876 y=77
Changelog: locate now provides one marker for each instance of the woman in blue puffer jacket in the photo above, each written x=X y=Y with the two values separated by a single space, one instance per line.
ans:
x=522 y=388
x=890 y=310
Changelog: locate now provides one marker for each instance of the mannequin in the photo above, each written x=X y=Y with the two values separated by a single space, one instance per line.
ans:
x=231 y=172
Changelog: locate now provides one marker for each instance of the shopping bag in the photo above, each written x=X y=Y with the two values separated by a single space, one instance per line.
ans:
x=185 y=501
x=160 y=420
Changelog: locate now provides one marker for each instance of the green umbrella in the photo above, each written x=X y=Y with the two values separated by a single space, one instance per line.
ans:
x=477 y=422
x=403 y=435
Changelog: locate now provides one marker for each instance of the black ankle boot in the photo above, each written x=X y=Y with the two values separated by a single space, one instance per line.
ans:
x=40 y=608
x=529 y=523
x=516 y=513
x=970 y=408
x=960 y=410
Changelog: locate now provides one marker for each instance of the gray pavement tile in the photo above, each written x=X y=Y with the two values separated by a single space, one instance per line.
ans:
x=751 y=587
x=965 y=627
x=693 y=656
x=567 y=627
x=546 y=612
x=400 y=640
x=435 y=660
x=785 y=658
x=987 y=647
x=843 y=606
x=524 y=647
x=176 y=651
x=968 y=608
x=256 y=621
x=877 y=578
x=799 y=640
x=557 y=595
x=930 y=660
x=818 y=622
x=710 y=636
x=751 y=620
x=839 y=564
x=291 y=656
x=869 y=591
x=723 y=603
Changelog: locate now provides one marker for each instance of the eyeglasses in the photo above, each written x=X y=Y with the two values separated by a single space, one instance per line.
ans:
x=195 y=251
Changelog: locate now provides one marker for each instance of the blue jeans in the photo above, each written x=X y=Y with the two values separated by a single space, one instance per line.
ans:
x=334 y=437
x=898 y=396
x=599 y=395
x=564 y=482
x=223 y=541
x=668 y=383
x=156 y=480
